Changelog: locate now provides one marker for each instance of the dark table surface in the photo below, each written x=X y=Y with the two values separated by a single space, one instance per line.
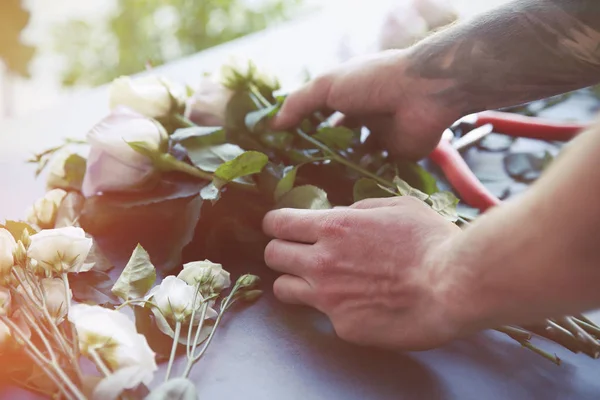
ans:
x=273 y=351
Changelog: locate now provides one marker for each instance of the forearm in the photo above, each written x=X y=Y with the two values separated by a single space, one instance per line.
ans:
x=536 y=256
x=522 y=51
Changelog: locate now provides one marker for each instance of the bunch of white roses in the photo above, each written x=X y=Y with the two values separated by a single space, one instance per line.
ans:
x=39 y=318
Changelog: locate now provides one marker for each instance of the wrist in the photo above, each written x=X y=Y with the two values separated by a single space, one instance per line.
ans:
x=455 y=288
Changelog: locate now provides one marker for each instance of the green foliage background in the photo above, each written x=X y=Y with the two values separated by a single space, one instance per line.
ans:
x=142 y=32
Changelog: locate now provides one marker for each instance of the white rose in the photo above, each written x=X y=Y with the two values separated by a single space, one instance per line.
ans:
x=44 y=210
x=436 y=13
x=114 y=338
x=174 y=299
x=152 y=96
x=208 y=104
x=7 y=247
x=57 y=301
x=211 y=276
x=112 y=164
x=61 y=250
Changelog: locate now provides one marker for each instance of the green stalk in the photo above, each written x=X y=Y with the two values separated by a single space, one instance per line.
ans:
x=515 y=332
x=173 y=349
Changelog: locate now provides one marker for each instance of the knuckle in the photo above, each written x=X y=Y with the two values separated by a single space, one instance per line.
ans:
x=336 y=225
x=322 y=263
x=275 y=223
x=271 y=252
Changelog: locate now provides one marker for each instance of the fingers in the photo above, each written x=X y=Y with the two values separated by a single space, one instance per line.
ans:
x=293 y=224
x=288 y=257
x=310 y=98
x=379 y=202
x=293 y=290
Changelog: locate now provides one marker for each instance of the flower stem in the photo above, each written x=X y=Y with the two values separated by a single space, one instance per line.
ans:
x=48 y=372
x=75 y=339
x=173 y=349
x=37 y=355
x=191 y=324
x=222 y=311
x=99 y=363
x=336 y=157
x=198 y=329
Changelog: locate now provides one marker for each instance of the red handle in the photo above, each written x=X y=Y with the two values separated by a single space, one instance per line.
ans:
x=531 y=127
x=460 y=176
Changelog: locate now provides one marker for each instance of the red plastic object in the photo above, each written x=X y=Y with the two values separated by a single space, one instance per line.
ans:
x=530 y=127
x=460 y=176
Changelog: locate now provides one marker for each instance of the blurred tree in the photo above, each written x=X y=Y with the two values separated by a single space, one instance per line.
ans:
x=16 y=55
x=142 y=32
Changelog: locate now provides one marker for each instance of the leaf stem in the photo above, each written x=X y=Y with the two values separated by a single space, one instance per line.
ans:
x=185 y=122
x=173 y=349
x=166 y=162
x=99 y=362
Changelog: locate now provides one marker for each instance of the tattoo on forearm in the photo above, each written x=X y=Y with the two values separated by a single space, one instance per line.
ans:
x=526 y=50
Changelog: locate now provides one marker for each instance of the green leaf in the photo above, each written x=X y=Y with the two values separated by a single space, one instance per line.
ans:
x=416 y=176
x=247 y=163
x=162 y=220
x=238 y=107
x=200 y=136
x=444 y=203
x=72 y=175
x=406 y=190
x=16 y=228
x=176 y=388
x=211 y=158
x=366 y=188
x=286 y=183
x=137 y=277
x=277 y=140
x=92 y=287
x=256 y=120
x=335 y=137
x=306 y=197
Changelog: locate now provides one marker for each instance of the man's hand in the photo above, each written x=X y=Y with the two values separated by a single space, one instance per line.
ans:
x=374 y=268
x=375 y=91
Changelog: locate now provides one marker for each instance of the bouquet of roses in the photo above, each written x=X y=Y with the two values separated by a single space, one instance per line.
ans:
x=173 y=174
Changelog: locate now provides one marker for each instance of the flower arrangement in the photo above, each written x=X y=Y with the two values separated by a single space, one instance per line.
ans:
x=173 y=174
